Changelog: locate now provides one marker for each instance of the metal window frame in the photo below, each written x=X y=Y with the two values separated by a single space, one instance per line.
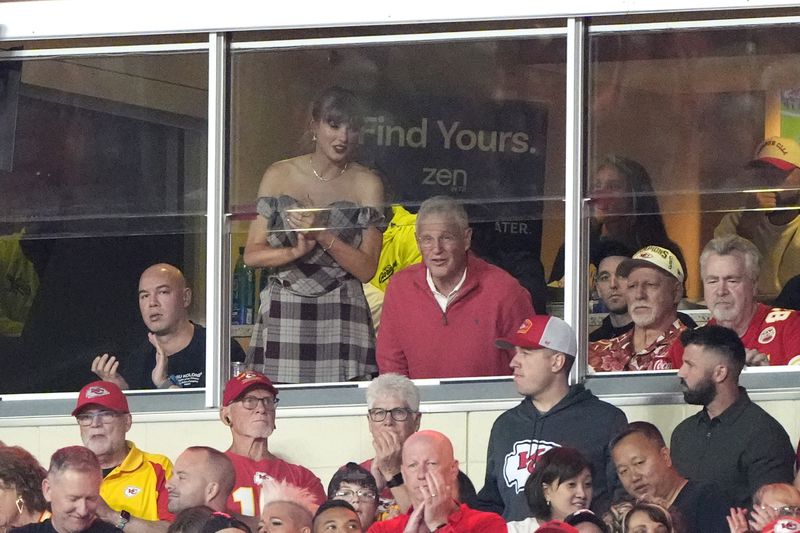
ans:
x=441 y=395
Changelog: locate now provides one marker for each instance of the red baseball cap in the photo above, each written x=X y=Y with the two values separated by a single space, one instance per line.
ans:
x=542 y=331
x=247 y=380
x=556 y=526
x=103 y=394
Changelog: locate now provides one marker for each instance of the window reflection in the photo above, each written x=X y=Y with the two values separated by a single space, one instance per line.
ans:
x=473 y=121
x=692 y=108
x=103 y=175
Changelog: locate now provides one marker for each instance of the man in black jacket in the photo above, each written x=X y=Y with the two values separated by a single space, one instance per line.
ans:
x=552 y=414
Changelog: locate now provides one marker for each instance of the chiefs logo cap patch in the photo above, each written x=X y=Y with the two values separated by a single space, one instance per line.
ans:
x=767 y=335
x=131 y=491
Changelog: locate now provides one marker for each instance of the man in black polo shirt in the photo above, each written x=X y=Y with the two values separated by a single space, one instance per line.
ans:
x=732 y=440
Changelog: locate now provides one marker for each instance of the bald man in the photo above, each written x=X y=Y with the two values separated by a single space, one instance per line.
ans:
x=202 y=476
x=430 y=473
x=174 y=355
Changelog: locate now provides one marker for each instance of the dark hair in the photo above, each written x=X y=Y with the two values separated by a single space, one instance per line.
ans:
x=585 y=516
x=645 y=429
x=352 y=473
x=557 y=464
x=77 y=458
x=723 y=341
x=648 y=225
x=654 y=512
x=191 y=520
x=334 y=504
x=608 y=248
x=338 y=105
x=21 y=471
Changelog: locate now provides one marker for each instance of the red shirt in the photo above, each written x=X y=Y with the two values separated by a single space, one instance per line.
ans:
x=464 y=520
x=614 y=355
x=246 y=494
x=774 y=332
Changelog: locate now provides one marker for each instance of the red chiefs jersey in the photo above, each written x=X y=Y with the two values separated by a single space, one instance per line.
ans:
x=246 y=494
x=774 y=332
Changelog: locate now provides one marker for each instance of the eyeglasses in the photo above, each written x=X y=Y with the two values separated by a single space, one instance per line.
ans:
x=250 y=402
x=399 y=414
x=87 y=419
x=365 y=495
x=786 y=510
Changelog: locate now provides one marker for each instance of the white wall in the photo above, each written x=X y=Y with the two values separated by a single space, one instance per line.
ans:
x=324 y=443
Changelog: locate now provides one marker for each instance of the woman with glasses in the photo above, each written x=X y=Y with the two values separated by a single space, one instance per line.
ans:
x=316 y=227
x=356 y=486
x=21 y=499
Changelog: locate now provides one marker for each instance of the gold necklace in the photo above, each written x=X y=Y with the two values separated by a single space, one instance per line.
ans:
x=321 y=178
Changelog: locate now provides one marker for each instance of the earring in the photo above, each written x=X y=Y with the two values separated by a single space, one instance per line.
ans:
x=20 y=504
x=314 y=137
x=548 y=503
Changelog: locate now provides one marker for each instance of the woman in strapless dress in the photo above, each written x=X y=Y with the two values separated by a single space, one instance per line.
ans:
x=316 y=227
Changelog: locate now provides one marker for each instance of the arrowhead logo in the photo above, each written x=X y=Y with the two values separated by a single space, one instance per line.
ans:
x=522 y=460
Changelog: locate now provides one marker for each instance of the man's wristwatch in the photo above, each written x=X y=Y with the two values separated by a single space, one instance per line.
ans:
x=124 y=518
x=396 y=480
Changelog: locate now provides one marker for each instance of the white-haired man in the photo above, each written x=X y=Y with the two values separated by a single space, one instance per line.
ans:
x=248 y=408
x=730 y=268
x=654 y=289
x=441 y=316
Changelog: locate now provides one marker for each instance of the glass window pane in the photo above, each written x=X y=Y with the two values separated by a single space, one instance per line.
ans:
x=482 y=122
x=102 y=173
x=675 y=118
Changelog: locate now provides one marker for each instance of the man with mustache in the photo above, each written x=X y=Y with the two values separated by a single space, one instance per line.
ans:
x=730 y=268
x=654 y=289
x=133 y=489
x=731 y=440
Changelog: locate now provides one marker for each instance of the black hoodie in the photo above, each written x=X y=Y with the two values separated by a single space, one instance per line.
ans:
x=520 y=435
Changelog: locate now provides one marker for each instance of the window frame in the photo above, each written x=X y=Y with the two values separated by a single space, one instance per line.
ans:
x=448 y=394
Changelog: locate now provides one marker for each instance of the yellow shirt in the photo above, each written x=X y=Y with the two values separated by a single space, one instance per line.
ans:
x=138 y=485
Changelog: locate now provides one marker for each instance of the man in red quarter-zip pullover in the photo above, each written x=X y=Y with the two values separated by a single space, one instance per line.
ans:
x=441 y=317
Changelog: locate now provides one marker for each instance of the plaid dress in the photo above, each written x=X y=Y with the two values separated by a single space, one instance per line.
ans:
x=314 y=323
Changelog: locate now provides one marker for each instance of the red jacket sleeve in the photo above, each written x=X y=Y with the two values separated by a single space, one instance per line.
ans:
x=389 y=352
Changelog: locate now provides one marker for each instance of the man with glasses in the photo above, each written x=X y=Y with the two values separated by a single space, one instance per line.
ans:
x=133 y=481
x=440 y=317
x=248 y=408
